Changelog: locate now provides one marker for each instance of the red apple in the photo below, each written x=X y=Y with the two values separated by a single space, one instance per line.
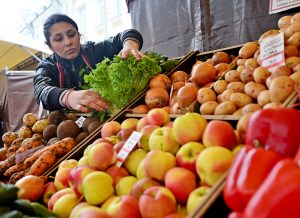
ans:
x=117 y=173
x=76 y=177
x=118 y=146
x=61 y=179
x=141 y=185
x=219 y=133
x=97 y=141
x=141 y=123
x=125 y=206
x=157 y=201
x=158 y=116
x=102 y=155
x=124 y=134
x=187 y=155
x=48 y=190
x=110 y=128
x=91 y=212
x=30 y=187
x=181 y=182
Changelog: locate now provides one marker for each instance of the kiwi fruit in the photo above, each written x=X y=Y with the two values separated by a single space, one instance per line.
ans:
x=68 y=128
x=56 y=117
x=50 y=131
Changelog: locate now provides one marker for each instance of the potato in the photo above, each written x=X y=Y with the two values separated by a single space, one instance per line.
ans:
x=251 y=63
x=208 y=108
x=269 y=80
x=9 y=137
x=253 y=89
x=225 y=108
x=296 y=77
x=29 y=119
x=240 y=68
x=248 y=50
x=220 y=86
x=25 y=132
x=296 y=68
x=294 y=39
x=240 y=99
x=274 y=104
x=232 y=76
x=294 y=28
x=249 y=108
x=225 y=96
x=290 y=50
x=263 y=98
x=247 y=75
x=238 y=112
x=281 y=70
x=241 y=61
x=206 y=94
x=267 y=34
x=292 y=62
x=40 y=125
x=242 y=123
x=295 y=18
x=236 y=86
x=260 y=75
x=281 y=87
x=284 y=21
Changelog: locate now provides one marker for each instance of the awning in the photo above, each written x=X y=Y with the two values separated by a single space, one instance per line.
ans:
x=14 y=50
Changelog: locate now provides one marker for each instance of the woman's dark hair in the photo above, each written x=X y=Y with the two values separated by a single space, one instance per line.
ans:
x=53 y=19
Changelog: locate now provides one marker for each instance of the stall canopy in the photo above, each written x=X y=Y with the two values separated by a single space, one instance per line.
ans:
x=14 y=50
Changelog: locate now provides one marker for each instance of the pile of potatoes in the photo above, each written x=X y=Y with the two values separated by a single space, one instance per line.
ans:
x=237 y=85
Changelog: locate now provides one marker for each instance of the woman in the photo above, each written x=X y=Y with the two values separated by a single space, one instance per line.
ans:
x=58 y=79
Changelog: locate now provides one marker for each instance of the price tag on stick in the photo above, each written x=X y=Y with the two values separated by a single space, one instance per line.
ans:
x=128 y=147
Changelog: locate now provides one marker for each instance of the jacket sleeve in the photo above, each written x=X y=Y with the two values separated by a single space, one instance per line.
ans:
x=113 y=45
x=46 y=88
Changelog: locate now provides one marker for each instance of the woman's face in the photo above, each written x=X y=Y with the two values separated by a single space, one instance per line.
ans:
x=64 y=40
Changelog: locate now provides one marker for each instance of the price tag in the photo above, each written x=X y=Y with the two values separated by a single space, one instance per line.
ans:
x=272 y=51
x=80 y=121
x=127 y=147
x=22 y=156
x=276 y=6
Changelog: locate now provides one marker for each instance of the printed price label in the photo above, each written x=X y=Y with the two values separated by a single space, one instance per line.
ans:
x=80 y=121
x=272 y=51
x=282 y=5
x=127 y=147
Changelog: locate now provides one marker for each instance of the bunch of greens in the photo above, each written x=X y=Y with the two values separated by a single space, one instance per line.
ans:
x=119 y=80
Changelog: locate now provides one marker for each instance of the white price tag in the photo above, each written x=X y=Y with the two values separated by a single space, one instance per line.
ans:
x=80 y=121
x=128 y=147
x=272 y=51
x=282 y=5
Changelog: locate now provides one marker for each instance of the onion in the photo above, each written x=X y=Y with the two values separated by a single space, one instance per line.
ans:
x=174 y=89
x=156 y=97
x=140 y=109
x=160 y=80
x=179 y=76
x=203 y=73
x=186 y=95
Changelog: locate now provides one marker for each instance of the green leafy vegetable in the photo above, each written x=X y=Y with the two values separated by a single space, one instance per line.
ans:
x=120 y=80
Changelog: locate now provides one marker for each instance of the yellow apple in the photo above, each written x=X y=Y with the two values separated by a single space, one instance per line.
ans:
x=125 y=184
x=134 y=158
x=58 y=195
x=196 y=197
x=129 y=123
x=70 y=163
x=146 y=132
x=61 y=179
x=65 y=204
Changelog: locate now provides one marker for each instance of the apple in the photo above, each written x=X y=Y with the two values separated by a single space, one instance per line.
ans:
x=141 y=123
x=140 y=171
x=219 y=133
x=181 y=182
x=157 y=163
x=65 y=204
x=125 y=184
x=110 y=128
x=124 y=134
x=58 y=195
x=157 y=201
x=30 y=187
x=74 y=211
x=102 y=155
x=196 y=197
x=187 y=155
x=133 y=159
x=141 y=185
x=91 y=212
x=70 y=163
x=146 y=131
x=48 y=190
x=107 y=202
x=189 y=127
x=163 y=139
x=212 y=163
x=117 y=173
x=169 y=124
x=158 y=116
x=83 y=161
x=76 y=177
x=118 y=146
x=108 y=140
x=125 y=206
x=61 y=179
x=97 y=187
x=129 y=123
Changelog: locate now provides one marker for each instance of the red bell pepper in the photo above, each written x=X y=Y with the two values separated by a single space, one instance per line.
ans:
x=279 y=194
x=276 y=129
x=248 y=170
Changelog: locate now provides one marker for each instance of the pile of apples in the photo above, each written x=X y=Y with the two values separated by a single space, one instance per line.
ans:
x=167 y=174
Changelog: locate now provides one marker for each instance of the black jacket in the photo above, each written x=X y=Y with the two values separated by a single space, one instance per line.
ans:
x=46 y=81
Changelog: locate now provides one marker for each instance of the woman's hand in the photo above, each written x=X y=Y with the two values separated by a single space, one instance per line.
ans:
x=84 y=101
x=131 y=47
